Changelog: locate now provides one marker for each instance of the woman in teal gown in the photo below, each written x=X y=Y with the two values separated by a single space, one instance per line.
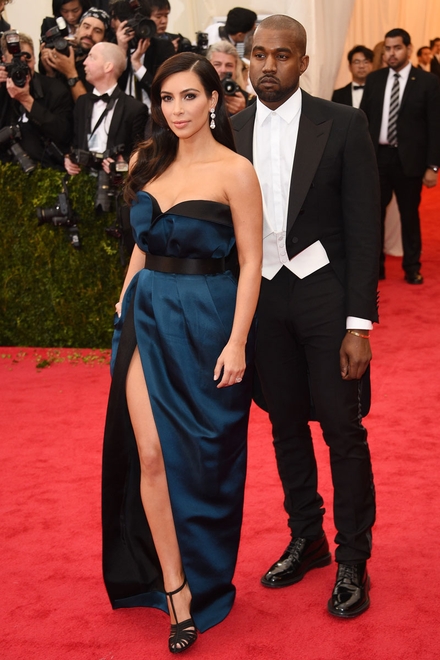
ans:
x=175 y=440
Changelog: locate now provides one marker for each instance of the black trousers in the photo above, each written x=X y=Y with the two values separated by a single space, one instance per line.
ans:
x=408 y=193
x=301 y=324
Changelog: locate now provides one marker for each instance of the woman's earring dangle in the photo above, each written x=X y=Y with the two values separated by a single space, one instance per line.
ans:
x=212 y=124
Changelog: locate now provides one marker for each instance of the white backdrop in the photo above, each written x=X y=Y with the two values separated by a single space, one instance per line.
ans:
x=333 y=26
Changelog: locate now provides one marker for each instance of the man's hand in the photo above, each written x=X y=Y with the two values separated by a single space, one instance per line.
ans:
x=3 y=74
x=354 y=355
x=137 y=56
x=65 y=64
x=72 y=168
x=21 y=94
x=235 y=103
x=124 y=35
x=430 y=178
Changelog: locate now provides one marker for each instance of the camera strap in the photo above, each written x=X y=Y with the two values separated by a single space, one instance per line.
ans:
x=110 y=105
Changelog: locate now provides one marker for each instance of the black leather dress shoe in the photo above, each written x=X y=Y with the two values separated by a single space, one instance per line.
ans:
x=414 y=278
x=350 y=596
x=300 y=556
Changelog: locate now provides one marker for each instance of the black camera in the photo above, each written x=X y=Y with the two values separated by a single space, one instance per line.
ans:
x=61 y=215
x=230 y=87
x=108 y=184
x=11 y=135
x=17 y=70
x=202 y=43
x=55 y=37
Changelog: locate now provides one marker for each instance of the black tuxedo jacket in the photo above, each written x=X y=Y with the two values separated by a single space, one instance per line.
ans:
x=343 y=95
x=51 y=118
x=418 y=123
x=334 y=195
x=127 y=125
x=435 y=66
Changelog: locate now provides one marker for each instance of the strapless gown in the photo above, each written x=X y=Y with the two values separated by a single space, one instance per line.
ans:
x=180 y=324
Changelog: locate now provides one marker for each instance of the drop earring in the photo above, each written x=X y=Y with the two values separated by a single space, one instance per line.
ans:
x=212 y=124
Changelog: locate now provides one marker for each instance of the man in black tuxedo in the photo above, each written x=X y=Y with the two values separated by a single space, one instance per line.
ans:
x=402 y=104
x=318 y=175
x=360 y=63
x=106 y=117
x=435 y=60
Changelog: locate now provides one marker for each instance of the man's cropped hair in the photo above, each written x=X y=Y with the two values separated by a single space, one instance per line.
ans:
x=58 y=4
x=399 y=32
x=160 y=5
x=366 y=52
x=240 y=20
x=421 y=49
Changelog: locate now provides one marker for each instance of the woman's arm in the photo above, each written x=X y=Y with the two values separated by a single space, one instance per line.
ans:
x=244 y=196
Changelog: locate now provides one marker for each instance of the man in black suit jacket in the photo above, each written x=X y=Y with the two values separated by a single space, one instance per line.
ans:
x=360 y=63
x=146 y=58
x=317 y=171
x=42 y=109
x=116 y=120
x=435 y=61
x=405 y=129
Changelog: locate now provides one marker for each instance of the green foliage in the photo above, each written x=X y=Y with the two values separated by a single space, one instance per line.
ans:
x=52 y=294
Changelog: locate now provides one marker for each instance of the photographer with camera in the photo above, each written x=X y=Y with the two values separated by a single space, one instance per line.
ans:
x=160 y=10
x=35 y=111
x=69 y=10
x=225 y=60
x=108 y=123
x=135 y=33
x=66 y=61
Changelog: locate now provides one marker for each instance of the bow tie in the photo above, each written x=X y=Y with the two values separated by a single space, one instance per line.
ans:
x=104 y=97
x=355 y=87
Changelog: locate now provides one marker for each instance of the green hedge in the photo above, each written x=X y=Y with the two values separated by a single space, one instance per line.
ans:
x=52 y=294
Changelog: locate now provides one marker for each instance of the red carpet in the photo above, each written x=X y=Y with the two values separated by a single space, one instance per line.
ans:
x=54 y=606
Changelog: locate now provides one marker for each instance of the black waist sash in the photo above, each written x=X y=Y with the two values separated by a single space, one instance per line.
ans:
x=185 y=266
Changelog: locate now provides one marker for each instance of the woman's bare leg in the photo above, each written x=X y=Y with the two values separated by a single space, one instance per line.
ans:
x=154 y=487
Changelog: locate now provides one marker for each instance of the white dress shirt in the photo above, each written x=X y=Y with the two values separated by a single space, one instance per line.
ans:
x=97 y=141
x=274 y=145
x=403 y=79
x=356 y=94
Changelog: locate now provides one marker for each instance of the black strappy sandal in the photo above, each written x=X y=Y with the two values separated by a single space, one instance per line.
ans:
x=183 y=634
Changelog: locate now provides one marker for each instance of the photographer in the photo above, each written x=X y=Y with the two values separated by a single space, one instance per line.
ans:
x=144 y=55
x=70 y=10
x=39 y=106
x=225 y=60
x=70 y=66
x=106 y=117
x=160 y=10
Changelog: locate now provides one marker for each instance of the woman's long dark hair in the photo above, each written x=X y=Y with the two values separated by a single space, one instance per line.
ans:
x=156 y=154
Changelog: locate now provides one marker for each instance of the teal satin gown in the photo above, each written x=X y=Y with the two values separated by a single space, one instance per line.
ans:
x=181 y=324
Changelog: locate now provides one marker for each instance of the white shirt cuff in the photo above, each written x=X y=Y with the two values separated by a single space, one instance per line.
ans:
x=355 y=323
x=140 y=73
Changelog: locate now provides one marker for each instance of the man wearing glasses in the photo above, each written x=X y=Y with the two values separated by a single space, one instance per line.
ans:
x=360 y=64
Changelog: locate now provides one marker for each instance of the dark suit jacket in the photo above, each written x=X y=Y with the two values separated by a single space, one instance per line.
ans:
x=435 y=66
x=51 y=118
x=159 y=51
x=343 y=95
x=418 y=123
x=127 y=125
x=334 y=195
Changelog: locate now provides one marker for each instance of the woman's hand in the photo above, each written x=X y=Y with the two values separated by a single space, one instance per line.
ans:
x=233 y=363
x=118 y=309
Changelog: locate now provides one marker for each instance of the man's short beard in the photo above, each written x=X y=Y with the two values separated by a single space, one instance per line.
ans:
x=275 y=95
